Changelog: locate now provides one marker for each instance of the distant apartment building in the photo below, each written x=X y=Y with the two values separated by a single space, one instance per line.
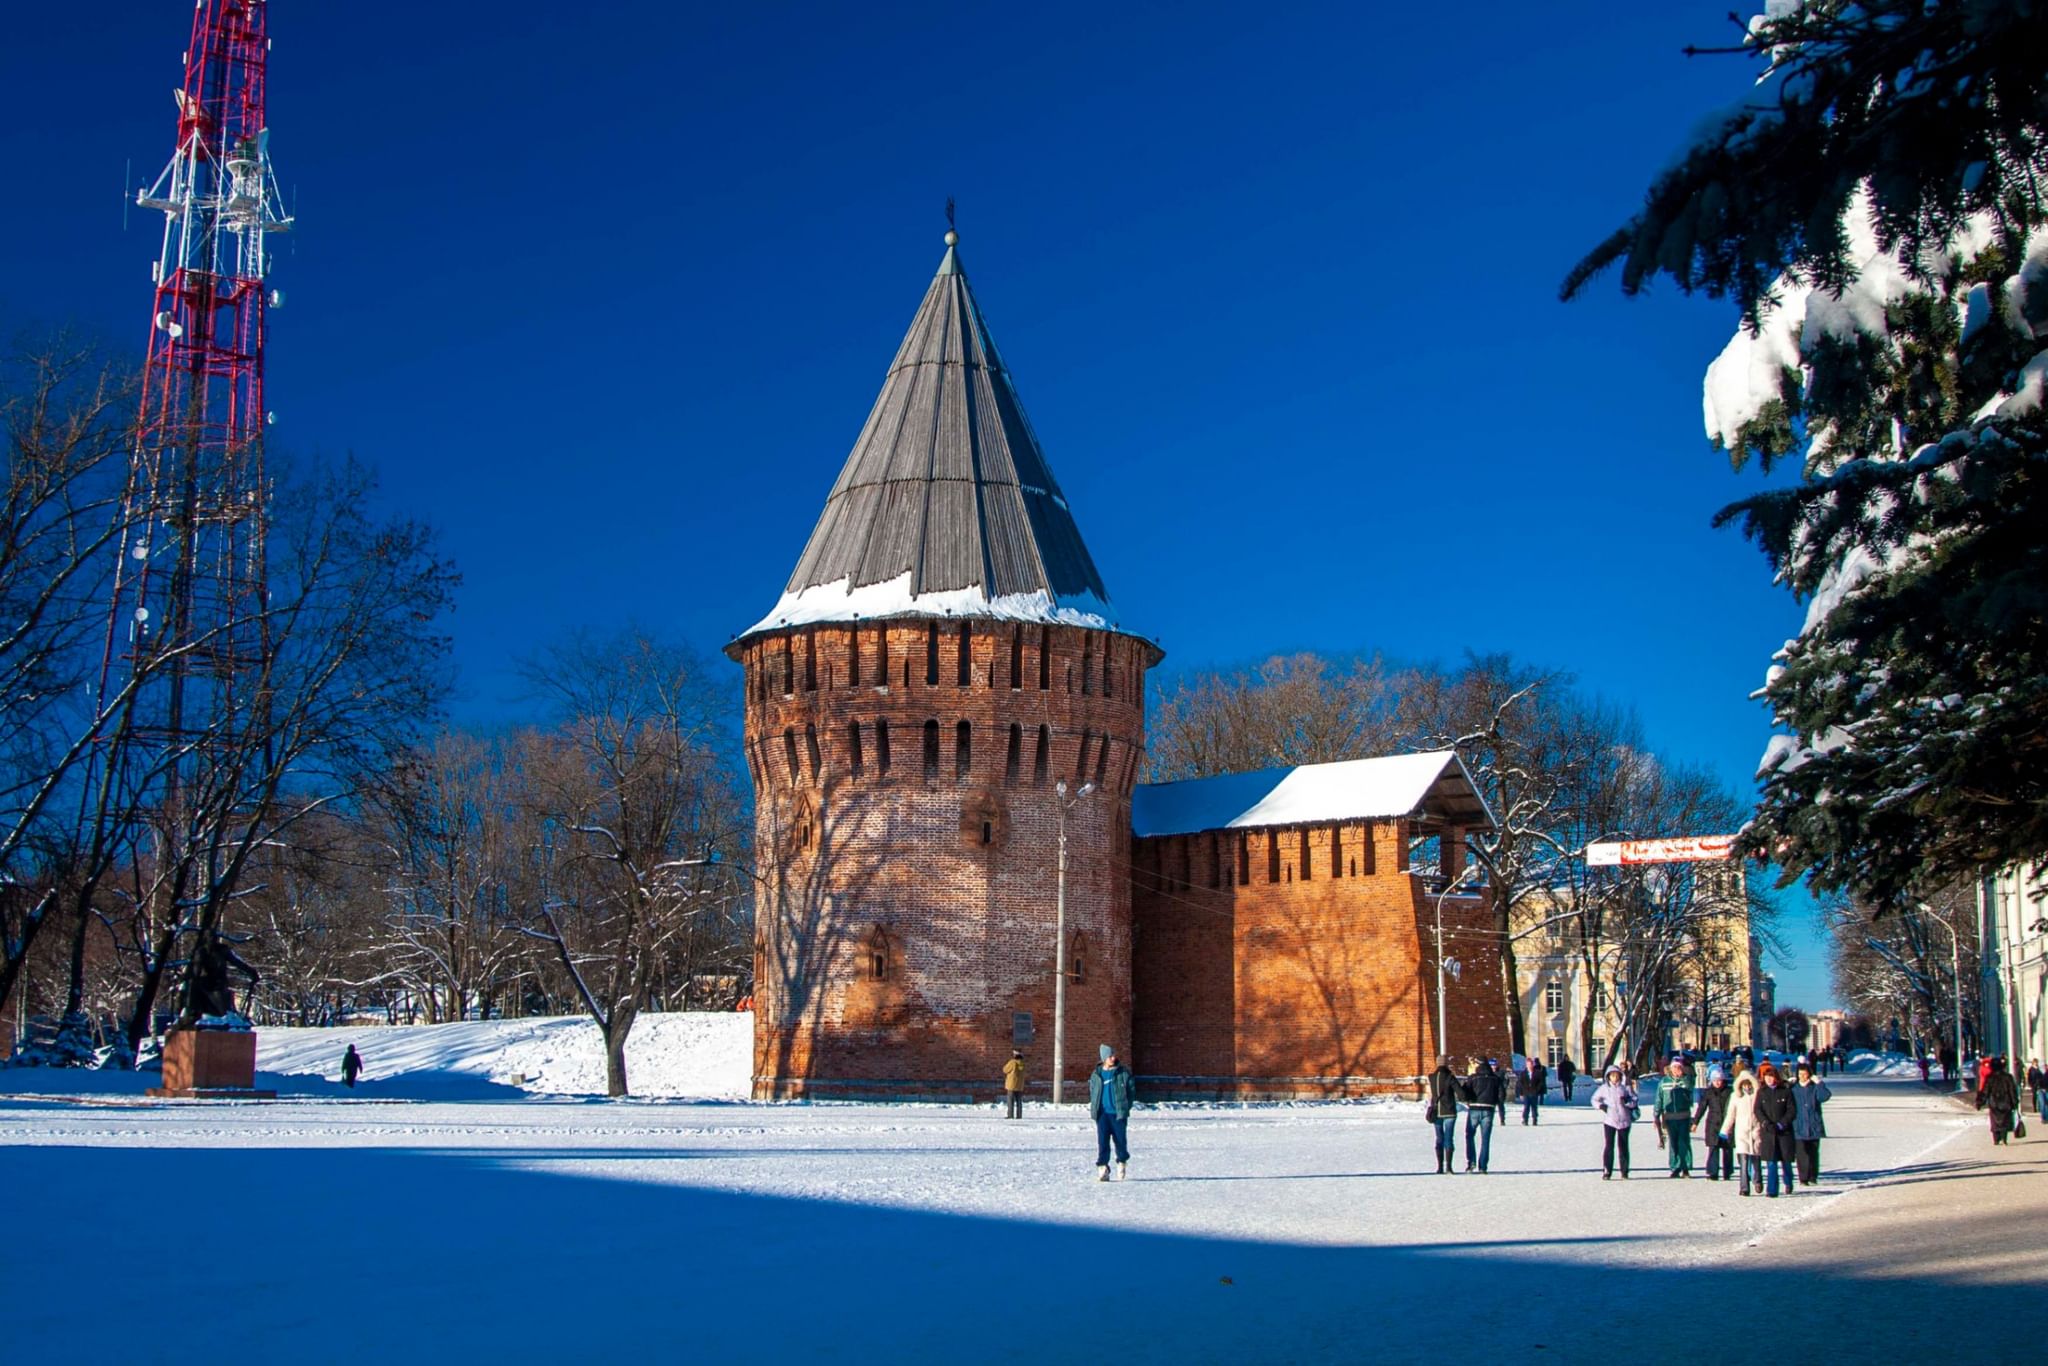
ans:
x=1710 y=1000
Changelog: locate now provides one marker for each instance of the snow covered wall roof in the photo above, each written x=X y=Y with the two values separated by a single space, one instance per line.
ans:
x=1434 y=783
x=946 y=506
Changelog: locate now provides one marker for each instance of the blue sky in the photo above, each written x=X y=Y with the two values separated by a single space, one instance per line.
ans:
x=605 y=292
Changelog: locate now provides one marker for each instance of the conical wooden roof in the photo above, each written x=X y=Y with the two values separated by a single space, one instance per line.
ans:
x=946 y=506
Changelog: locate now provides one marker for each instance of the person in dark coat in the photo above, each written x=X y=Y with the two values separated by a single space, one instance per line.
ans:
x=1711 y=1110
x=351 y=1067
x=1808 y=1128
x=1110 y=1096
x=2038 y=1080
x=1530 y=1085
x=1484 y=1096
x=1440 y=1107
x=1999 y=1094
x=1776 y=1113
x=1565 y=1073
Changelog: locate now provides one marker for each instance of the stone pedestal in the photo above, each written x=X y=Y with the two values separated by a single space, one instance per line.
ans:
x=210 y=1064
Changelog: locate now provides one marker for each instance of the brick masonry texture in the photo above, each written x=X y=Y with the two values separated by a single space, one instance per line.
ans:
x=906 y=827
x=1297 y=962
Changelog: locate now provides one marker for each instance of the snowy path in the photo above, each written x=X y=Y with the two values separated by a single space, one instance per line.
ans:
x=577 y=1229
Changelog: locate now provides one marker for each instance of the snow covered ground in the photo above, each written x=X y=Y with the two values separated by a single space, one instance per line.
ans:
x=696 y=1055
x=351 y=1228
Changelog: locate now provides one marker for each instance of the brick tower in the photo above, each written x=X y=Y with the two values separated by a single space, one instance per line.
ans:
x=943 y=660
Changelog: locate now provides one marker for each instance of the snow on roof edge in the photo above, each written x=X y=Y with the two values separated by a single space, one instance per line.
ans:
x=1378 y=788
x=838 y=602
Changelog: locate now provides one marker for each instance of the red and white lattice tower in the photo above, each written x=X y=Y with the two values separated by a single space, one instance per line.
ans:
x=189 y=592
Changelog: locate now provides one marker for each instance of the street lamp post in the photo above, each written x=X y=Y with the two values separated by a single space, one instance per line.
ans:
x=1955 y=968
x=1443 y=1045
x=1061 y=802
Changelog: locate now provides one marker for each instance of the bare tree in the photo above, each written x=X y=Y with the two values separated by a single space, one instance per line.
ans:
x=1292 y=709
x=349 y=672
x=627 y=790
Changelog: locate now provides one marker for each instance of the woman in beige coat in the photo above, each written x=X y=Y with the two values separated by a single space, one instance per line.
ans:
x=1741 y=1127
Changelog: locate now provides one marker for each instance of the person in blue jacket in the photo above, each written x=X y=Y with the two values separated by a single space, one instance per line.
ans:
x=1109 y=1105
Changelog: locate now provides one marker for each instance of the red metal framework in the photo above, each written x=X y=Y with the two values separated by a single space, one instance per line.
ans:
x=189 y=590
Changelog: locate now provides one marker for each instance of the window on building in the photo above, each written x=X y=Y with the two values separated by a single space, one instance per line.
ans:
x=878 y=956
x=988 y=832
x=882 y=747
x=1553 y=998
x=931 y=751
x=1215 y=859
x=1042 y=759
x=1601 y=1000
x=1044 y=658
x=1553 y=1051
x=1102 y=761
x=1077 y=957
x=811 y=749
x=966 y=654
x=963 y=749
x=788 y=668
x=1081 y=758
x=1108 y=673
x=853 y=754
x=1088 y=666
x=853 y=657
x=789 y=748
x=810 y=661
x=1307 y=860
x=881 y=656
x=1273 y=856
x=1017 y=656
x=931 y=656
x=1370 y=845
x=1598 y=1054
x=1014 y=759
x=1336 y=851
x=1244 y=860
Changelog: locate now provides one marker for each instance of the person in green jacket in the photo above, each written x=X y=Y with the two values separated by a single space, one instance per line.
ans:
x=1674 y=1116
x=1109 y=1105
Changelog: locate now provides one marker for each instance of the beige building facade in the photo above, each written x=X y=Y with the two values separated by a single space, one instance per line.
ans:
x=2013 y=911
x=1711 y=1003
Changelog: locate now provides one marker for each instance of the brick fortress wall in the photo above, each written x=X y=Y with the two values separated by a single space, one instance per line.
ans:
x=906 y=829
x=1299 y=962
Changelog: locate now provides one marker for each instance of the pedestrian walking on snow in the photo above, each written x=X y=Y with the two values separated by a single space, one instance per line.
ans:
x=1776 y=1112
x=1739 y=1130
x=2038 y=1080
x=1709 y=1115
x=1674 y=1117
x=1530 y=1086
x=1013 y=1086
x=1485 y=1096
x=1109 y=1105
x=1999 y=1094
x=1808 y=1129
x=351 y=1067
x=1440 y=1108
x=1617 y=1104
x=1565 y=1073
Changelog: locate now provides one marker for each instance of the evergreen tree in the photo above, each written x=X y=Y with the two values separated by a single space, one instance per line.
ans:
x=1876 y=209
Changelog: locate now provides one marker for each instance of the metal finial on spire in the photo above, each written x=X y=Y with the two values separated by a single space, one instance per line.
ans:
x=952 y=229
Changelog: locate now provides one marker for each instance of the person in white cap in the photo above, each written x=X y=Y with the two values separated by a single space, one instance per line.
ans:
x=1109 y=1105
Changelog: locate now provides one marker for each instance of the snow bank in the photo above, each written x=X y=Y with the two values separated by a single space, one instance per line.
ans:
x=695 y=1055
x=700 y=1055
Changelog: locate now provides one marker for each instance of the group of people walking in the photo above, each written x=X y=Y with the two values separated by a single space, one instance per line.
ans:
x=1484 y=1092
x=1757 y=1129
